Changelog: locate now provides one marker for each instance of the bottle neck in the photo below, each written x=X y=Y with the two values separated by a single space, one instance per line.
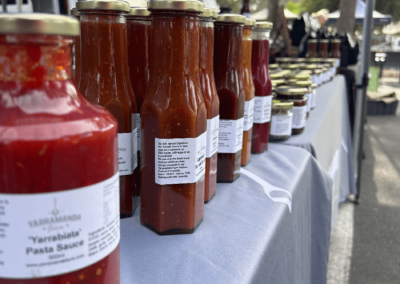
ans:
x=207 y=46
x=103 y=49
x=245 y=8
x=35 y=58
x=174 y=41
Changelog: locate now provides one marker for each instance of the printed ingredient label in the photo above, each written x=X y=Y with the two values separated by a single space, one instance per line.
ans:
x=309 y=98
x=248 y=115
x=47 y=234
x=139 y=130
x=212 y=136
x=281 y=125
x=299 y=116
x=230 y=135
x=180 y=160
x=125 y=158
x=262 y=109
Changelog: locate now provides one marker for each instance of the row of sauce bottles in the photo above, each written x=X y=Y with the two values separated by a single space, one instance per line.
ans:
x=186 y=82
x=200 y=81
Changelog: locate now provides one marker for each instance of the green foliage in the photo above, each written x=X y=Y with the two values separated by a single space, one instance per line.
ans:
x=312 y=6
x=235 y=5
x=389 y=7
x=294 y=7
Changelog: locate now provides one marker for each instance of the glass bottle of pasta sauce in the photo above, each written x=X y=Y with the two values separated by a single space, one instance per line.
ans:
x=105 y=81
x=211 y=99
x=323 y=48
x=297 y=96
x=312 y=48
x=77 y=50
x=263 y=87
x=335 y=52
x=58 y=161
x=174 y=119
x=248 y=90
x=138 y=24
x=227 y=64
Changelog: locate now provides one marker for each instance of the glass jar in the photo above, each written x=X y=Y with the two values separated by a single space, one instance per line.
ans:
x=283 y=60
x=311 y=68
x=323 y=48
x=281 y=121
x=248 y=90
x=312 y=48
x=58 y=161
x=263 y=87
x=335 y=53
x=276 y=83
x=299 y=83
x=273 y=67
x=228 y=36
x=290 y=67
x=105 y=81
x=211 y=99
x=138 y=25
x=297 y=96
x=77 y=50
x=174 y=122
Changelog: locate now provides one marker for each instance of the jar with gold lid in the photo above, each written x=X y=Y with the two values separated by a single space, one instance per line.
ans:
x=283 y=60
x=295 y=83
x=281 y=121
x=297 y=96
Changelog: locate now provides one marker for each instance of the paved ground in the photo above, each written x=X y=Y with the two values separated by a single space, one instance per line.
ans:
x=365 y=244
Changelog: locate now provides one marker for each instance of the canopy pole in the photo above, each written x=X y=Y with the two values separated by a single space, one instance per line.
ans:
x=358 y=132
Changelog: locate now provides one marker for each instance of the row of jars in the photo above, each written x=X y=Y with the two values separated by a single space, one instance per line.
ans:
x=201 y=100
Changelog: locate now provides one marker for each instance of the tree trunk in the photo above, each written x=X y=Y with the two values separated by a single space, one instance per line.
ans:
x=346 y=21
x=273 y=6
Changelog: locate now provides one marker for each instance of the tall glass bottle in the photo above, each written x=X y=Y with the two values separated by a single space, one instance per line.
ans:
x=248 y=90
x=211 y=99
x=58 y=164
x=245 y=11
x=77 y=50
x=174 y=119
x=312 y=48
x=323 y=48
x=139 y=28
x=228 y=35
x=105 y=81
x=263 y=87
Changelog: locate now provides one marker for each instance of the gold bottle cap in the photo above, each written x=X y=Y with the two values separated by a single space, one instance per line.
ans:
x=250 y=23
x=37 y=23
x=138 y=12
x=282 y=105
x=288 y=90
x=113 y=5
x=273 y=66
x=74 y=12
x=263 y=25
x=297 y=83
x=177 y=5
x=209 y=13
x=283 y=59
x=298 y=76
x=231 y=18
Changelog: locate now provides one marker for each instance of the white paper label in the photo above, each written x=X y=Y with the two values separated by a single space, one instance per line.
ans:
x=314 y=79
x=230 y=135
x=139 y=130
x=281 y=125
x=262 y=109
x=299 y=116
x=125 y=158
x=212 y=136
x=47 y=234
x=180 y=160
x=248 y=115
x=134 y=148
x=309 y=98
x=314 y=99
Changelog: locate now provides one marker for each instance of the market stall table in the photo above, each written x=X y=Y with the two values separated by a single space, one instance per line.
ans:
x=271 y=225
x=327 y=137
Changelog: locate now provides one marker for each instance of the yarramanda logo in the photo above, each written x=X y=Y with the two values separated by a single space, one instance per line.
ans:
x=56 y=218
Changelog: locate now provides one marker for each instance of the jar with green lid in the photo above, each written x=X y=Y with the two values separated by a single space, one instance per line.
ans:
x=291 y=67
x=295 y=83
x=297 y=96
x=273 y=67
x=281 y=121
x=283 y=60
x=276 y=83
